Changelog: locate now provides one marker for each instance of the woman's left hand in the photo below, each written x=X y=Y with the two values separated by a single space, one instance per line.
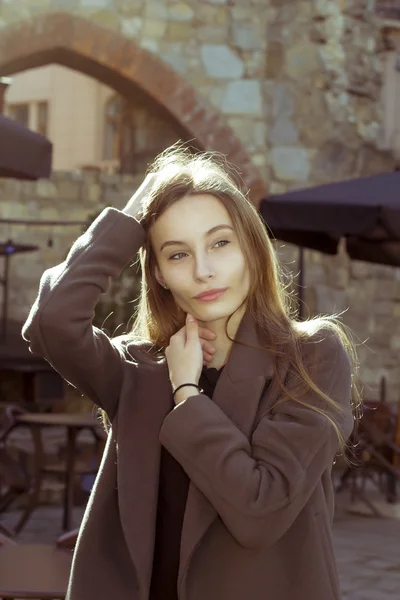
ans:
x=185 y=355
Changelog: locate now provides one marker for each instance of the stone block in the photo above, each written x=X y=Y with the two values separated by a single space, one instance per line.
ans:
x=283 y=102
x=277 y=188
x=359 y=270
x=41 y=5
x=253 y=64
x=154 y=28
x=325 y=8
x=259 y=159
x=180 y=12
x=151 y=45
x=302 y=60
x=106 y=18
x=68 y=190
x=131 y=27
x=128 y=8
x=239 y=13
x=212 y=15
x=283 y=132
x=385 y=290
x=275 y=59
x=213 y=34
x=330 y=301
x=247 y=36
x=46 y=189
x=64 y=4
x=177 y=31
x=155 y=9
x=95 y=3
x=243 y=97
x=220 y=62
x=175 y=57
x=290 y=164
x=383 y=307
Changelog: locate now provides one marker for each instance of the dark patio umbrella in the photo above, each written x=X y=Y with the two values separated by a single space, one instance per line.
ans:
x=24 y=154
x=365 y=211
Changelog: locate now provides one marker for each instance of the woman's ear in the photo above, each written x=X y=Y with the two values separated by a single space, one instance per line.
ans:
x=159 y=277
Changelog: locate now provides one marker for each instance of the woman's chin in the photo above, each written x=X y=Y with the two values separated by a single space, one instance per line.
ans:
x=213 y=313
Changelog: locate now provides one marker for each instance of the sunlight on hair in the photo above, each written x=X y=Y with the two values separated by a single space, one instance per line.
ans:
x=182 y=171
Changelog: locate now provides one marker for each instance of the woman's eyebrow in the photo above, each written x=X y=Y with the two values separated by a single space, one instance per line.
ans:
x=209 y=232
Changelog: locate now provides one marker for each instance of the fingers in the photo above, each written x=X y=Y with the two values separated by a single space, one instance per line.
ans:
x=206 y=334
x=207 y=358
x=207 y=347
x=192 y=329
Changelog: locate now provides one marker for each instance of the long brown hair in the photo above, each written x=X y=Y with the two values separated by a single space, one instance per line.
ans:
x=182 y=173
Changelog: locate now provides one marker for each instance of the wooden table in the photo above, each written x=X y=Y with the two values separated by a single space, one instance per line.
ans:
x=34 y=571
x=73 y=424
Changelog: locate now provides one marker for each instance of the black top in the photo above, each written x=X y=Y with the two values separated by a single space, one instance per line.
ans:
x=172 y=495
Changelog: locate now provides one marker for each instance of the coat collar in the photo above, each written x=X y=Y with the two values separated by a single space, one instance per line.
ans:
x=238 y=392
x=248 y=357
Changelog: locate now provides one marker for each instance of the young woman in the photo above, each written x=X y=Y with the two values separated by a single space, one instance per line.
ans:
x=225 y=413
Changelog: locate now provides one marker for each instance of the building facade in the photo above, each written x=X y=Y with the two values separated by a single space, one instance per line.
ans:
x=294 y=93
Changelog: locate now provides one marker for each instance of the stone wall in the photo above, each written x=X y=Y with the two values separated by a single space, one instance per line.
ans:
x=66 y=197
x=289 y=90
x=298 y=83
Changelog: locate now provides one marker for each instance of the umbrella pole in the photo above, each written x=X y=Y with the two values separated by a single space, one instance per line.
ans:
x=300 y=289
x=4 y=281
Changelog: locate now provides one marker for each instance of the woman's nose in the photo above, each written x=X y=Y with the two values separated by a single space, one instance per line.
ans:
x=203 y=268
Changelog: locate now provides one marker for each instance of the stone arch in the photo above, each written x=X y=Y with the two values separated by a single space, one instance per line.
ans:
x=120 y=63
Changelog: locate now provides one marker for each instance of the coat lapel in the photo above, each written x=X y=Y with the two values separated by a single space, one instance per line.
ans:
x=138 y=464
x=237 y=393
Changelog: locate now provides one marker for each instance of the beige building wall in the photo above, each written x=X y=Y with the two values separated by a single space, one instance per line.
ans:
x=391 y=96
x=76 y=109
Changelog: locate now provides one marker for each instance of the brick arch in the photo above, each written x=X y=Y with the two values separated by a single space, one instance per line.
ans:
x=120 y=63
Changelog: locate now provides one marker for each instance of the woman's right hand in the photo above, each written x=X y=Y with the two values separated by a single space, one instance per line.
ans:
x=135 y=205
x=206 y=338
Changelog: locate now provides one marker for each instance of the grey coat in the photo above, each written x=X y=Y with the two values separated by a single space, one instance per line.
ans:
x=258 y=518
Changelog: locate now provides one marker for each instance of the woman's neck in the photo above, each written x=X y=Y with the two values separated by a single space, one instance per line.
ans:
x=222 y=343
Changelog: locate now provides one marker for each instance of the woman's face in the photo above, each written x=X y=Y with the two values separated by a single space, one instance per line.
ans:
x=197 y=250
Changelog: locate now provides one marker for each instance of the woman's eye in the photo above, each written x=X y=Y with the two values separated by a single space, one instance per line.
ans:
x=219 y=244
x=176 y=256
x=223 y=242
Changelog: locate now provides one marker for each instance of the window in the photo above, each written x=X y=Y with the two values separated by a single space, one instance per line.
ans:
x=42 y=118
x=112 y=133
x=20 y=113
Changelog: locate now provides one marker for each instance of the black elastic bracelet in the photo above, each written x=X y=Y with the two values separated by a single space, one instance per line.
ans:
x=186 y=384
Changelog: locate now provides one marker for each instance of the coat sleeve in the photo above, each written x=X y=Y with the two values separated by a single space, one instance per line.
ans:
x=59 y=326
x=259 y=486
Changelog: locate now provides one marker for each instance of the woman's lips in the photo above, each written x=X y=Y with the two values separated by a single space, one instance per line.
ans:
x=211 y=296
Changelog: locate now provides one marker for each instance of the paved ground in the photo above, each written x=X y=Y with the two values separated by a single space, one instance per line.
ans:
x=368 y=556
x=367 y=550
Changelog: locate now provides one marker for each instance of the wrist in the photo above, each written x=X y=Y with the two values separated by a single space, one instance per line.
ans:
x=183 y=393
x=133 y=211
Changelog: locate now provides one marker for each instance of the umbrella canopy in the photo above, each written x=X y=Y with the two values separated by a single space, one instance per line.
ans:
x=365 y=211
x=24 y=154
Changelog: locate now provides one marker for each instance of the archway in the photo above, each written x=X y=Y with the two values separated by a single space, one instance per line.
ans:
x=120 y=63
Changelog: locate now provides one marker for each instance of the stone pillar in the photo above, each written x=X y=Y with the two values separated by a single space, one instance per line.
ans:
x=4 y=83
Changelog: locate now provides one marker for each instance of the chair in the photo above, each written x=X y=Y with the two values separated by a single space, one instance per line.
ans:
x=374 y=455
x=35 y=571
x=14 y=480
x=33 y=485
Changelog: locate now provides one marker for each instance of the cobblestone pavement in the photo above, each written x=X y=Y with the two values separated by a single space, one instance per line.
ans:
x=367 y=550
